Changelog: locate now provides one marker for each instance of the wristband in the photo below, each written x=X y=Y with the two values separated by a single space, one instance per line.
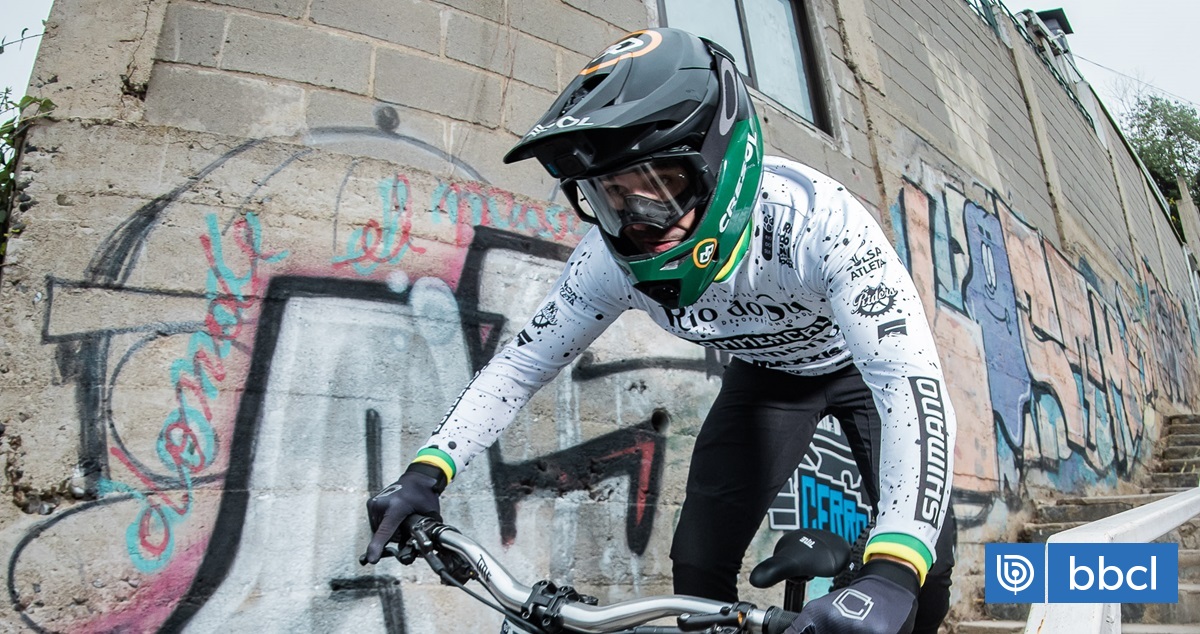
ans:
x=437 y=458
x=905 y=547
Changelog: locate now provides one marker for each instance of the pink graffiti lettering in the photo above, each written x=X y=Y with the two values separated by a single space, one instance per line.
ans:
x=187 y=442
x=468 y=205
x=379 y=243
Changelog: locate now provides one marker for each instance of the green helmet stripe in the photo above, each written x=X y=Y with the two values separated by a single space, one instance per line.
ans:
x=743 y=245
x=721 y=239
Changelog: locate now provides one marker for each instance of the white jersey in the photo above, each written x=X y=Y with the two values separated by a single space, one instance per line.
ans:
x=819 y=288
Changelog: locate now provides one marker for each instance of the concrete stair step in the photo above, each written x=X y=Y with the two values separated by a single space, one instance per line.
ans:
x=1017 y=612
x=1038 y=533
x=1014 y=612
x=1181 y=428
x=988 y=627
x=1186 y=535
x=1179 y=465
x=1015 y=627
x=1186 y=611
x=1189 y=565
x=1176 y=453
x=1181 y=480
x=1183 y=440
x=1093 y=508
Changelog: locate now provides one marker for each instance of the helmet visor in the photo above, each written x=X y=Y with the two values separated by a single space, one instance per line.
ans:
x=657 y=192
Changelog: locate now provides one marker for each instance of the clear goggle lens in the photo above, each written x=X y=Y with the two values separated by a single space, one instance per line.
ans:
x=656 y=192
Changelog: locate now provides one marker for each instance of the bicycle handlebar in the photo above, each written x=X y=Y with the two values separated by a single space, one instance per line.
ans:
x=427 y=534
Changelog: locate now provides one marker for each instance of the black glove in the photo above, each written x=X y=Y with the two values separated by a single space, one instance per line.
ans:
x=882 y=600
x=416 y=491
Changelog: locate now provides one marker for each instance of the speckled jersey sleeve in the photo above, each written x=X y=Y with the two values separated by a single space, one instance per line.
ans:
x=819 y=287
x=576 y=311
x=875 y=303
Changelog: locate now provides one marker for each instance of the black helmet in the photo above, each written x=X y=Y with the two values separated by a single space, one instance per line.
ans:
x=658 y=100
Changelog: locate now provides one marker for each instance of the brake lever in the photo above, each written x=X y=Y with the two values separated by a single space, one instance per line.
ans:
x=417 y=536
x=407 y=554
x=420 y=544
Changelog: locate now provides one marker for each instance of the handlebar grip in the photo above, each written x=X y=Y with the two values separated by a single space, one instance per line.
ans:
x=778 y=620
x=697 y=622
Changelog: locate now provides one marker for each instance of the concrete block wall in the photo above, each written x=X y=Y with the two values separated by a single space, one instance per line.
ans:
x=1135 y=190
x=1001 y=175
x=271 y=240
x=1084 y=171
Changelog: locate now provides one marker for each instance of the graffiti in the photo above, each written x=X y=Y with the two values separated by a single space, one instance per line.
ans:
x=1173 y=337
x=635 y=452
x=387 y=242
x=240 y=417
x=187 y=444
x=295 y=373
x=322 y=349
x=470 y=205
x=423 y=320
x=990 y=301
x=360 y=140
x=826 y=491
x=1065 y=360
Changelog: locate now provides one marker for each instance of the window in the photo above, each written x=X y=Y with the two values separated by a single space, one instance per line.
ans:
x=770 y=40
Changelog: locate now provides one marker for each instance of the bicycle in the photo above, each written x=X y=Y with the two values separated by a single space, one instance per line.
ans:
x=546 y=608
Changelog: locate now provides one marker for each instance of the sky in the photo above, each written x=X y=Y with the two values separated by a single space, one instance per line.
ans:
x=1150 y=41
x=16 y=62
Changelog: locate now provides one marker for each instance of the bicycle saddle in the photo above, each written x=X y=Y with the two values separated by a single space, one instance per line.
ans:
x=802 y=554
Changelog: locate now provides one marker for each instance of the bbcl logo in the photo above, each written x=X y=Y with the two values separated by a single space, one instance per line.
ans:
x=1015 y=573
x=1082 y=573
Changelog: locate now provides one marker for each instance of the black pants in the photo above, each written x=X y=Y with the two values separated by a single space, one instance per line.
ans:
x=755 y=435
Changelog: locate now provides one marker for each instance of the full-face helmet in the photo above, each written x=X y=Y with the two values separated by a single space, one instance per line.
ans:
x=656 y=141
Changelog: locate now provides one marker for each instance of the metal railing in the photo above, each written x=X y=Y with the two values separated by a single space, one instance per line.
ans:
x=983 y=8
x=987 y=10
x=1139 y=525
x=1041 y=53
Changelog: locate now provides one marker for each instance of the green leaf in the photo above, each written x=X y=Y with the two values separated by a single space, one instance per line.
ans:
x=11 y=131
x=1166 y=136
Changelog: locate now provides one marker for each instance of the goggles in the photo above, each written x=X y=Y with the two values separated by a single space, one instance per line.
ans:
x=657 y=192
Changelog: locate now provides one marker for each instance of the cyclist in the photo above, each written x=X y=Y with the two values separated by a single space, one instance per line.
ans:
x=657 y=143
